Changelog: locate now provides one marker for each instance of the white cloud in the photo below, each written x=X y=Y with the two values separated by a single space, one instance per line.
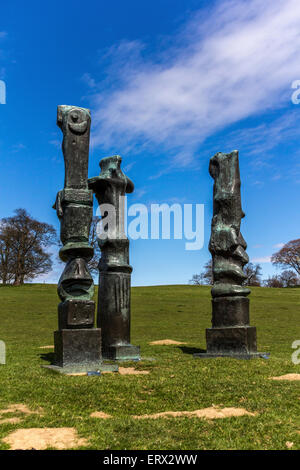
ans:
x=237 y=59
x=18 y=147
x=278 y=245
x=55 y=142
x=264 y=259
x=86 y=78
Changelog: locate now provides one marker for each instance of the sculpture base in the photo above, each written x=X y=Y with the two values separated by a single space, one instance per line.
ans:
x=85 y=368
x=255 y=355
x=126 y=352
x=78 y=348
x=231 y=340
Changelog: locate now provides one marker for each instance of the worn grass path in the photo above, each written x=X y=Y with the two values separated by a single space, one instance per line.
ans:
x=177 y=381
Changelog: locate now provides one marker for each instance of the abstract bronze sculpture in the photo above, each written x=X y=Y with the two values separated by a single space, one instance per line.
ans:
x=230 y=334
x=77 y=342
x=113 y=316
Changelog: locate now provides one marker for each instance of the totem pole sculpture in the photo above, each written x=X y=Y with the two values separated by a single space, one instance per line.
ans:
x=113 y=316
x=230 y=334
x=77 y=342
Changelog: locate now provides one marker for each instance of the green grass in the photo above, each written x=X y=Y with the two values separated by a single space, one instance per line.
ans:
x=176 y=381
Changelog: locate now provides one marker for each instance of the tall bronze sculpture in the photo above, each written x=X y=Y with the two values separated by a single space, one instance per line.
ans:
x=230 y=334
x=77 y=342
x=113 y=316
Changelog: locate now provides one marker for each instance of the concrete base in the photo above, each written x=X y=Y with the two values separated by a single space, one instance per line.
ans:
x=231 y=340
x=238 y=342
x=77 y=369
x=77 y=348
x=126 y=352
x=256 y=355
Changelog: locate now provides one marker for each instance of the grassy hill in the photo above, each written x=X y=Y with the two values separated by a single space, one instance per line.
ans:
x=176 y=382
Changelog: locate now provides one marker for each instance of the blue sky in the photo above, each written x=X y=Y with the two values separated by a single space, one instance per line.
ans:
x=169 y=83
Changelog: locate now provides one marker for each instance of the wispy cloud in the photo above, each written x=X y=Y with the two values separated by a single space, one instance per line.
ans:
x=55 y=142
x=90 y=82
x=264 y=259
x=278 y=245
x=227 y=64
x=17 y=147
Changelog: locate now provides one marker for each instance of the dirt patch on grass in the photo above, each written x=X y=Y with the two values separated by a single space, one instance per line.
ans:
x=287 y=377
x=77 y=373
x=47 y=347
x=132 y=371
x=19 y=408
x=206 y=413
x=165 y=342
x=100 y=414
x=127 y=371
x=122 y=371
x=10 y=421
x=41 y=438
x=289 y=444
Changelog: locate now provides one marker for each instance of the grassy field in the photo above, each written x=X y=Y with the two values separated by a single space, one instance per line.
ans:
x=176 y=382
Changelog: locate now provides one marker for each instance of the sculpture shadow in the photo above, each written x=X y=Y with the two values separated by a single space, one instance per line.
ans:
x=189 y=350
x=49 y=357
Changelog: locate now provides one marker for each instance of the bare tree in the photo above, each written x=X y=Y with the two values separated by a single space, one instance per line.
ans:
x=273 y=281
x=205 y=277
x=22 y=247
x=6 y=265
x=289 y=278
x=253 y=273
x=93 y=263
x=197 y=280
x=288 y=256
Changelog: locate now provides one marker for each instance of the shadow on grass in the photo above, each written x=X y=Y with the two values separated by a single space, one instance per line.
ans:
x=49 y=357
x=188 y=350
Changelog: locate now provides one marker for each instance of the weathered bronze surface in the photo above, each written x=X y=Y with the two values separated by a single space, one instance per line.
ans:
x=230 y=334
x=113 y=316
x=77 y=342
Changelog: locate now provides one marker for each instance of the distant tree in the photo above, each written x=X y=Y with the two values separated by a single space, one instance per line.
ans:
x=273 y=281
x=253 y=273
x=208 y=272
x=205 y=277
x=197 y=280
x=93 y=263
x=289 y=278
x=6 y=265
x=23 y=241
x=288 y=256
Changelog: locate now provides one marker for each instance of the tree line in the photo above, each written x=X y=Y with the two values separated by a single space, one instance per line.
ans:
x=287 y=258
x=24 y=248
x=24 y=255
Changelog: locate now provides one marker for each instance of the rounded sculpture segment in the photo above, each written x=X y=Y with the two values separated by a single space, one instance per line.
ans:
x=227 y=244
x=75 y=124
x=111 y=173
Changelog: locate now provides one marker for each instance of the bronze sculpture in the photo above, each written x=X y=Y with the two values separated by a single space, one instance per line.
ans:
x=77 y=342
x=230 y=334
x=113 y=315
